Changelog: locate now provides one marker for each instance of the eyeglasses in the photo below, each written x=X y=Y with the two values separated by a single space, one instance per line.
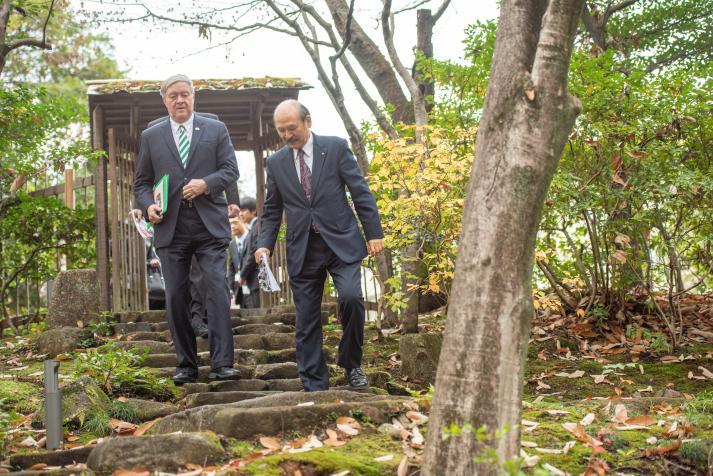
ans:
x=175 y=96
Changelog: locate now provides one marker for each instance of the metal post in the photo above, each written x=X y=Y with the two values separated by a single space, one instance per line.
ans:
x=53 y=405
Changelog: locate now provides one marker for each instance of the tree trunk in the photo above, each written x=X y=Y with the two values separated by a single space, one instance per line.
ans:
x=373 y=62
x=526 y=121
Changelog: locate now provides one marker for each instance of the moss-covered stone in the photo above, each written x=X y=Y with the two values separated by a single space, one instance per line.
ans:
x=80 y=399
x=21 y=397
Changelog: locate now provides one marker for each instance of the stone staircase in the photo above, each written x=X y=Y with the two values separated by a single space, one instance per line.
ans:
x=268 y=400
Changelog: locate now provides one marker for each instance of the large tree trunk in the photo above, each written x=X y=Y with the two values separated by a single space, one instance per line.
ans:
x=526 y=121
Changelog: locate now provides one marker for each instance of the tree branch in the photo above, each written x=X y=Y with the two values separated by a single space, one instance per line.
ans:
x=347 y=34
x=615 y=8
x=416 y=96
x=440 y=10
x=28 y=42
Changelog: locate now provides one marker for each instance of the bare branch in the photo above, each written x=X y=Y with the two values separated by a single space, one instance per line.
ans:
x=595 y=30
x=28 y=42
x=412 y=7
x=615 y=8
x=416 y=96
x=441 y=10
x=47 y=20
x=347 y=34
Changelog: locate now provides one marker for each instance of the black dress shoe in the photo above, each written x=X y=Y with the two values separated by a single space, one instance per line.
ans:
x=183 y=376
x=224 y=373
x=356 y=378
x=200 y=329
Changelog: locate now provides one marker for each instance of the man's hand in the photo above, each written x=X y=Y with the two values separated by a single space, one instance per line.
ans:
x=233 y=210
x=259 y=252
x=155 y=215
x=376 y=246
x=194 y=188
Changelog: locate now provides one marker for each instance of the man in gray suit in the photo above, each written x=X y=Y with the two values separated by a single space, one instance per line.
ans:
x=197 y=156
x=307 y=180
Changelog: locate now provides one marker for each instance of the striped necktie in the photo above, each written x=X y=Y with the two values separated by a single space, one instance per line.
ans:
x=184 y=145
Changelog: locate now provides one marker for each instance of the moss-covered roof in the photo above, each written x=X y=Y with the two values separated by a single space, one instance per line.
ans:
x=110 y=86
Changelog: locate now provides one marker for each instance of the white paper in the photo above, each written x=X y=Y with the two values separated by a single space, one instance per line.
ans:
x=270 y=284
x=144 y=228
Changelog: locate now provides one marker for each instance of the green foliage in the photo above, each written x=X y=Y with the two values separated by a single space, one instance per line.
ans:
x=124 y=412
x=488 y=440
x=97 y=424
x=420 y=191
x=78 y=54
x=35 y=230
x=117 y=371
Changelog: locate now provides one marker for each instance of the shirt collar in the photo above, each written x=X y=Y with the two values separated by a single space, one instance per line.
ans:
x=308 y=148
x=188 y=124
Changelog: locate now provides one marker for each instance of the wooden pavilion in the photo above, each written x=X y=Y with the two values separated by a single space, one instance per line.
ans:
x=120 y=110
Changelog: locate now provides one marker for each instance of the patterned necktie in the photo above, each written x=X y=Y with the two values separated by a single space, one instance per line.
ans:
x=184 y=145
x=305 y=175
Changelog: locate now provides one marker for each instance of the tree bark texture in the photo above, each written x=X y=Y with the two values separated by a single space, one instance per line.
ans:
x=527 y=118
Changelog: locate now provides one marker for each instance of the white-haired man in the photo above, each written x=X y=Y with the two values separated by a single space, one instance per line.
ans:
x=197 y=156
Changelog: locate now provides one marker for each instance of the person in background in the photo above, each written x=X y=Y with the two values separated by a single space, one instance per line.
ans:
x=236 y=253
x=248 y=268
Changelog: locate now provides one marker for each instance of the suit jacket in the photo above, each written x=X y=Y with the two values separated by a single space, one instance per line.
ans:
x=211 y=158
x=234 y=262
x=231 y=191
x=334 y=171
x=248 y=268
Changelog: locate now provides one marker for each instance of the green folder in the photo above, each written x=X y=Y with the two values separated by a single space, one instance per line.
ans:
x=160 y=193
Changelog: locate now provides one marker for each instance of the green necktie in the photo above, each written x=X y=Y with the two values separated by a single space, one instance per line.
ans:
x=184 y=145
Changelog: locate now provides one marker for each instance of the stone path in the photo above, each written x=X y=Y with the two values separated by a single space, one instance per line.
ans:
x=268 y=399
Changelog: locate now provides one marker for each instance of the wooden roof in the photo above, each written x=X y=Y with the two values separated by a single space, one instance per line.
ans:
x=130 y=105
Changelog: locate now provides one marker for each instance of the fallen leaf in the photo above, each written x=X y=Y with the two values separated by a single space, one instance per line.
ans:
x=530 y=94
x=662 y=450
x=620 y=414
x=347 y=430
x=144 y=427
x=383 y=459
x=131 y=472
x=305 y=404
x=402 y=470
x=575 y=374
x=706 y=373
x=587 y=420
x=416 y=417
x=270 y=443
x=553 y=470
x=642 y=420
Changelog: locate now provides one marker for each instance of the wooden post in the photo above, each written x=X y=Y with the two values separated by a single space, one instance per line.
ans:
x=69 y=188
x=114 y=210
x=256 y=136
x=100 y=204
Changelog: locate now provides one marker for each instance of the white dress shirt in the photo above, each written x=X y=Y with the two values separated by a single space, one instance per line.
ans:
x=189 y=129
x=308 y=149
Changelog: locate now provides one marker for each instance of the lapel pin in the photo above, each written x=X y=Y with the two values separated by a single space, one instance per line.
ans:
x=197 y=129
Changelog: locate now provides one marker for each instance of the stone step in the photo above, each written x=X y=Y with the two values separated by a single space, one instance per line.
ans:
x=274 y=341
x=239 y=321
x=280 y=412
x=152 y=335
x=153 y=346
x=286 y=370
x=126 y=328
x=219 y=398
x=51 y=458
x=242 y=357
x=243 y=385
x=262 y=329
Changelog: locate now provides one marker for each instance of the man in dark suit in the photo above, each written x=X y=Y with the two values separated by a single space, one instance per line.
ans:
x=197 y=156
x=248 y=268
x=199 y=315
x=308 y=179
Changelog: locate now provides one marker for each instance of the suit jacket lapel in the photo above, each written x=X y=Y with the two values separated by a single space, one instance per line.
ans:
x=318 y=157
x=195 y=138
x=170 y=142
